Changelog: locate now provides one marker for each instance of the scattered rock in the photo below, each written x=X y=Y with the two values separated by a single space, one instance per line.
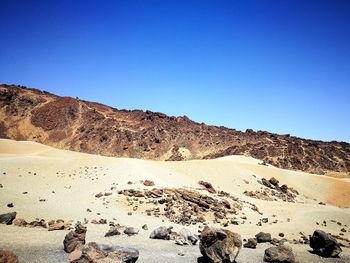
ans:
x=113 y=231
x=148 y=183
x=58 y=226
x=207 y=186
x=274 y=181
x=251 y=243
x=161 y=233
x=7 y=218
x=98 y=195
x=262 y=237
x=324 y=244
x=38 y=223
x=94 y=253
x=130 y=231
x=185 y=237
x=75 y=238
x=145 y=227
x=7 y=256
x=219 y=245
x=279 y=254
x=19 y=222
x=10 y=205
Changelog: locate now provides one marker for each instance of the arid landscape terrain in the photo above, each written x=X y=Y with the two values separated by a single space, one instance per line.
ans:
x=43 y=183
x=148 y=187
x=73 y=124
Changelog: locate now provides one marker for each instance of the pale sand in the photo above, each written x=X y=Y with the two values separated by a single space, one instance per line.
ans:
x=69 y=189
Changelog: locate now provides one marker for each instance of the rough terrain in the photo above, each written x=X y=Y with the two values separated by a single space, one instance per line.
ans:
x=78 y=125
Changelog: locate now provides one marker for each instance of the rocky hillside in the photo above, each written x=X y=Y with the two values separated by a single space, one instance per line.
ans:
x=74 y=124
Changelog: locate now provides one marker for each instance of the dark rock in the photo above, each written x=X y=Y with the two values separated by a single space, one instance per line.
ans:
x=10 y=205
x=251 y=243
x=7 y=218
x=274 y=181
x=219 y=245
x=324 y=244
x=161 y=233
x=263 y=237
x=75 y=238
x=279 y=254
x=145 y=227
x=208 y=186
x=113 y=231
x=130 y=231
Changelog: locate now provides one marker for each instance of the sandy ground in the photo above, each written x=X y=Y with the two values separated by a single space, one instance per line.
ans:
x=68 y=181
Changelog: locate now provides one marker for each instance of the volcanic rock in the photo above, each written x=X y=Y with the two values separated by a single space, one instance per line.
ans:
x=130 y=231
x=7 y=256
x=262 y=237
x=279 y=254
x=113 y=231
x=7 y=218
x=251 y=243
x=324 y=244
x=19 y=222
x=161 y=233
x=75 y=238
x=219 y=245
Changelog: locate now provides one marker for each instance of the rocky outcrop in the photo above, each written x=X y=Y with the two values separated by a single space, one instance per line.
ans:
x=78 y=125
x=324 y=244
x=279 y=254
x=185 y=206
x=74 y=238
x=219 y=245
x=7 y=218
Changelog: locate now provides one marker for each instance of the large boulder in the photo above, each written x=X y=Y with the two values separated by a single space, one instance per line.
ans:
x=93 y=253
x=7 y=218
x=161 y=233
x=219 y=245
x=324 y=244
x=7 y=256
x=262 y=237
x=74 y=238
x=279 y=254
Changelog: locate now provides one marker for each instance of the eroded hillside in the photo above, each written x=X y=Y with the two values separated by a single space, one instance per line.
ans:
x=74 y=124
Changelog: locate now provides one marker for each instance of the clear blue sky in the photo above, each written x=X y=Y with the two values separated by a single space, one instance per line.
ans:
x=281 y=66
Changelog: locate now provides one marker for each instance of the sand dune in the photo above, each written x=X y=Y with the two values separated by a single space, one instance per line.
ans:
x=68 y=181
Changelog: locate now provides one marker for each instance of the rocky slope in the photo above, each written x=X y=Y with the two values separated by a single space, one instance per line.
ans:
x=74 y=124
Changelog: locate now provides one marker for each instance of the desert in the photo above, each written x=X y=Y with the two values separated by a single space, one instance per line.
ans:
x=46 y=183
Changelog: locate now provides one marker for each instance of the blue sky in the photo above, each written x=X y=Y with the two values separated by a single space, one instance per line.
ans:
x=281 y=66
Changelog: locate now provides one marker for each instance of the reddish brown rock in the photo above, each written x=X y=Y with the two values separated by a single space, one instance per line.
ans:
x=95 y=128
x=7 y=256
